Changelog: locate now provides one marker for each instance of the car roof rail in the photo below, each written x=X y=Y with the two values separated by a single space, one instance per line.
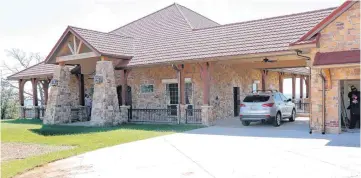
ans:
x=266 y=91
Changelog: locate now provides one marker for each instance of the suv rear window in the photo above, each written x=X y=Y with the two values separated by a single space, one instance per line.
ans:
x=256 y=98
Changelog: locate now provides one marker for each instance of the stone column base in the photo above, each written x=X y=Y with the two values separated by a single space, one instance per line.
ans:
x=183 y=112
x=207 y=115
x=124 y=113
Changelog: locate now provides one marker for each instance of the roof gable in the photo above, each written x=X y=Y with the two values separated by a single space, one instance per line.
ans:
x=327 y=20
x=102 y=44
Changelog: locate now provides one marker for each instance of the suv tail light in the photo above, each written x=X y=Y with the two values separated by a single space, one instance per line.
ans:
x=242 y=105
x=268 y=105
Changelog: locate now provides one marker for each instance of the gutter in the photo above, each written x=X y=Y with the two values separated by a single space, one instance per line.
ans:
x=178 y=79
x=323 y=102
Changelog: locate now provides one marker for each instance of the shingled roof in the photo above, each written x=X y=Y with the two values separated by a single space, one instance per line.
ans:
x=165 y=36
x=40 y=70
x=176 y=33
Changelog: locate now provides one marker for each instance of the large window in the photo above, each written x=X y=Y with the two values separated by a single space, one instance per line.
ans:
x=146 y=88
x=172 y=97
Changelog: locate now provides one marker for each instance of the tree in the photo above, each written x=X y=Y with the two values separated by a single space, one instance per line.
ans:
x=22 y=61
x=9 y=91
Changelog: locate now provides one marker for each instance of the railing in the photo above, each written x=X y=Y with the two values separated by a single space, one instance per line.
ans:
x=79 y=114
x=32 y=111
x=302 y=107
x=193 y=116
x=153 y=115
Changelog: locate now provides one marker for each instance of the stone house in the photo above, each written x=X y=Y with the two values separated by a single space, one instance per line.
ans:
x=182 y=62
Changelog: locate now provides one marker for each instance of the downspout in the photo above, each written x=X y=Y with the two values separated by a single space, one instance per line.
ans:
x=323 y=102
x=299 y=52
x=178 y=79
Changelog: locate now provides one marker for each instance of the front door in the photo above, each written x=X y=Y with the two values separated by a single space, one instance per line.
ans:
x=236 y=100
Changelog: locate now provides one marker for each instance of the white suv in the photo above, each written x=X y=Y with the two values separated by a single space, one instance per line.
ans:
x=271 y=106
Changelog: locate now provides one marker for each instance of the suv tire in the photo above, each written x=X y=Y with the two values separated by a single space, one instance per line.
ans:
x=277 y=120
x=246 y=123
x=293 y=116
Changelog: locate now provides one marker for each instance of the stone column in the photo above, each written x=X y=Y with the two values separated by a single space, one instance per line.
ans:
x=105 y=107
x=207 y=115
x=183 y=112
x=124 y=111
x=59 y=103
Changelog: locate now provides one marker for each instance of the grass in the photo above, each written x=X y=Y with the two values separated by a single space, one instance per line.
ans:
x=83 y=138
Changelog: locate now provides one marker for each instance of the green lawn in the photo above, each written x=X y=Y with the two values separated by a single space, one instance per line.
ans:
x=83 y=138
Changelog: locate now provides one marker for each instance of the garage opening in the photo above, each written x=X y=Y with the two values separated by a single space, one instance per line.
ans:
x=350 y=105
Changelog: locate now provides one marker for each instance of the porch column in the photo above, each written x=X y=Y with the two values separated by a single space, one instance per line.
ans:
x=21 y=97
x=280 y=81
x=80 y=78
x=307 y=80
x=182 y=102
x=45 y=84
x=124 y=83
x=105 y=107
x=58 y=108
x=301 y=86
x=207 y=113
x=293 y=86
x=264 y=78
x=34 y=83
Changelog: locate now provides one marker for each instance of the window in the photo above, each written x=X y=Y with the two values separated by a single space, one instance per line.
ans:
x=256 y=98
x=146 y=88
x=188 y=93
x=277 y=97
x=172 y=92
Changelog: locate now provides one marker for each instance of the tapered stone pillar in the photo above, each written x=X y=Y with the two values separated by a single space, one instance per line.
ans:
x=105 y=107
x=59 y=101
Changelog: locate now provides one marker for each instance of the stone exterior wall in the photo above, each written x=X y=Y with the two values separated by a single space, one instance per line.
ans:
x=225 y=77
x=340 y=35
x=154 y=76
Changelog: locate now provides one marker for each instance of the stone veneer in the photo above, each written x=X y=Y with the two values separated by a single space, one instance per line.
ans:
x=340 y=35
x=226 y=76
x=59 y=102
x=105 y=108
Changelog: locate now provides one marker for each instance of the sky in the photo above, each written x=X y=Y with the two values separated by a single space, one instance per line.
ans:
x=34 y=26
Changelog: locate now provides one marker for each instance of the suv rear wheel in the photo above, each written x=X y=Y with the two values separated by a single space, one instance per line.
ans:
x=277 y=120
x=293 y=116
x=246 y=123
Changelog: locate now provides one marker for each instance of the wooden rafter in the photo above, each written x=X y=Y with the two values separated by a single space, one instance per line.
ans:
x=76 y=57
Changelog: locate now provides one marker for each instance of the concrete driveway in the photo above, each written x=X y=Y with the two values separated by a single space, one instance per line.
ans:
x=221 y=151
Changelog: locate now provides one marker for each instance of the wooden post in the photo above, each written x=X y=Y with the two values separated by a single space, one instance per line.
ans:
x=45 y=84
x=280 y=81
x=21 y=91
x=81 y=89
x=204 y=67
x=307 y=83
x=34 y=82
x=293 y=86
x=264 y=78
x=301 y=86
x=181 y=84
x=124 y=82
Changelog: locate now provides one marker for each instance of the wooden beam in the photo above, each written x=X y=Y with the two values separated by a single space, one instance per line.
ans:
x=74 y=46
x=301 y=86
x=264 y=74
x=80 y=44
x=272 y=65
x=293 y=86
x=280 y=81
x=327 y=73
x=45 y=84
x=205 y=75
x=71 y=49
x=76 y=57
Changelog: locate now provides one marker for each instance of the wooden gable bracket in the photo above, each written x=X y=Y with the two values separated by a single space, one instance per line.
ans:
x=76 y=47
x=327 y=74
